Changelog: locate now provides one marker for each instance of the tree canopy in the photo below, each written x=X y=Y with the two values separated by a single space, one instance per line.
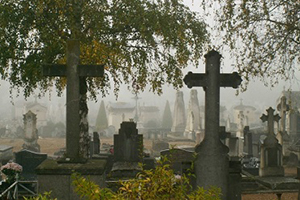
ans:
x=140 y=41
x=263 y=36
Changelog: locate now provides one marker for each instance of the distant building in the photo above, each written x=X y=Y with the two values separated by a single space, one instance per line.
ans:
x=249 y=114
x=39 y=110
x=149 y=116
x=119 y=112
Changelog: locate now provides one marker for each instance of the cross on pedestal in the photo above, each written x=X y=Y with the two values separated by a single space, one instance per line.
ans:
x=212 y=162
x=270 y=118
x=76 y=89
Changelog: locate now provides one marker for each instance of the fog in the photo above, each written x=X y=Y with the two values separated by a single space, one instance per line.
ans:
x=257 y=95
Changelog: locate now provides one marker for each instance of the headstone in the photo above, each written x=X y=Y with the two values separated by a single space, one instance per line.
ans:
x=77 y=138
x=293 y=160
x=158 y=146
x=212 y=162
x=282 y=136
x=193 y=125
x=29 y=160
x=223 y=134
x=248 y=144
x=128 y=151
x=30 y=132
x=271 y=150
x=95 y=144
x=179 y=159
x=179 y=118
x=241 y=124
x=6 y=153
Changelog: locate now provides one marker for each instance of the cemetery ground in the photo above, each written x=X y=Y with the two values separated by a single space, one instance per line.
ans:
x=51 y=145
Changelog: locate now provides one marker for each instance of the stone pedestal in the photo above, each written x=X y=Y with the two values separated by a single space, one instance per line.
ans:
x=271 y=158
x=56 y=177
x=212 y=166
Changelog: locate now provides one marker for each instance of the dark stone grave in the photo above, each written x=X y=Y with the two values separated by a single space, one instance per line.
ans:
x=128 y=151
x=6 y=153
x=29 y=160
x=158 y=146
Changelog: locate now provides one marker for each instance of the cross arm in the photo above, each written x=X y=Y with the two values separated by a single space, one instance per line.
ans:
x=264 y=118
x=200 y=80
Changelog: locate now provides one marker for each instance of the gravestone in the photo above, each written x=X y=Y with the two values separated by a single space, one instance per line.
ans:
x=128 y=151
x=241 y=124
x=158 y=146
x=180 y=159
x=293 y=160
x=179 y=118
x=29 y=160
x=271 y=150
x=223 y=134
x=282 y=136
x=248 y=144
x=30 y=132
x=95 y=144
x=212 y=160
x=193 y=125
x=6 y=153
x=77 y=138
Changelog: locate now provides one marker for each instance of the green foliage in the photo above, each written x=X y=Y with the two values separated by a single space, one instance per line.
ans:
x=101 y=121
x=139 y=41
x=45 y=196
x=159 y=183
x=167 y=117
x=263 y=36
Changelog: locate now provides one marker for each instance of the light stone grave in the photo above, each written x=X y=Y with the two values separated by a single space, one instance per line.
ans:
x=30 y=132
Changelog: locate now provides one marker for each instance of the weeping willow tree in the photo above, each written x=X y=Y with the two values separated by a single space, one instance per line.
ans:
x=263 y=36
x=140 y=41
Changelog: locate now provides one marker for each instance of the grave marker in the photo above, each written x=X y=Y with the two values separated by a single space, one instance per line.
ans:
x=30 y=132
x=212 y=162
x=271 y=150
x=282 y=107
x=77 y=129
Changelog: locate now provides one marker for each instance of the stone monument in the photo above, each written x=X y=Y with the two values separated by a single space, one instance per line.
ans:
x=271 y=150
x=193 y=125
x=179 y=118
x=30 y=132
x=128 y=151
x=55 y=175
x=212 y=160
x=282 y=136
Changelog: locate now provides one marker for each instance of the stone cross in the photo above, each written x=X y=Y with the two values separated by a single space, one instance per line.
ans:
x=270 y=118
x=76 y=75
x=212 y=162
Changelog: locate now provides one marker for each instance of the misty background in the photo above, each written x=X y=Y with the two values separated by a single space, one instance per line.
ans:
x=256 y=95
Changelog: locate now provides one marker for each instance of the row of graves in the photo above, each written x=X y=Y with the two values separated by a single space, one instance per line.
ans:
x=216 y=159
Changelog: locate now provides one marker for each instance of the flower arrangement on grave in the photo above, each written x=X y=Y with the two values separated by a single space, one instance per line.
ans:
x=11 y=171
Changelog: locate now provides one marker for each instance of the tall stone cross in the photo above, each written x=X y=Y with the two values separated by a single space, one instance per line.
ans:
x=76 y=92
x=270 y=118
x=212 y=162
